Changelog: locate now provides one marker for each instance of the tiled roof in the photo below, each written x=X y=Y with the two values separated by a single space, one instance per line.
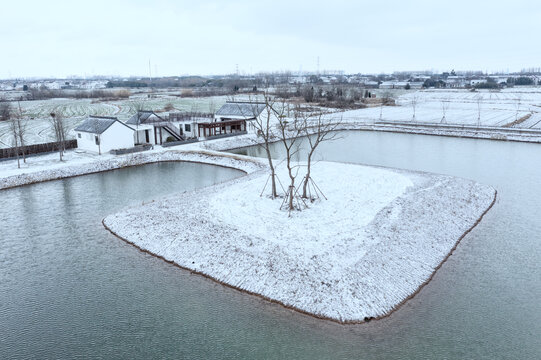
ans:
x=245 y=109
x=96 y=125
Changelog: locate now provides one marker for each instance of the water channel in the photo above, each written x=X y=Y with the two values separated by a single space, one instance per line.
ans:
x=69 y=289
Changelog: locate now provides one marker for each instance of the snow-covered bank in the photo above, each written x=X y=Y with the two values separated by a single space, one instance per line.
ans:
x=359 y=255
x=460 y=131
x=44 y=168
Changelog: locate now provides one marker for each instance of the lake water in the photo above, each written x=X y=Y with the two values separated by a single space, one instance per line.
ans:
x=69 y=289
x=485 y=302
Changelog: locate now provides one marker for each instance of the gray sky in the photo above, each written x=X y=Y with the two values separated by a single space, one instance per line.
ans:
x=60 y=38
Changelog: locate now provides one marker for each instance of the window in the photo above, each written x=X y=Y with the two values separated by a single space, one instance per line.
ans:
x=79 y=135
x=97 y=139
x=187 y=127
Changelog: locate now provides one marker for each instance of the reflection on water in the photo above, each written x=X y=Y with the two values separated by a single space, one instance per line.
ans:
x=70 y=289
x=483 y=303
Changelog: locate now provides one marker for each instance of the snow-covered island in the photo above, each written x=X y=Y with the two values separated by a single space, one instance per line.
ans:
x=359 y=255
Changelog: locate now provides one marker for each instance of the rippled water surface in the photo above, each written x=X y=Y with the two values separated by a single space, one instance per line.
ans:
x=69 y=289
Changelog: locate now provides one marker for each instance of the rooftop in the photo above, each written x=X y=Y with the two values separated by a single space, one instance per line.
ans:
x=96 y=124
x=141 y=117
x=244 y=109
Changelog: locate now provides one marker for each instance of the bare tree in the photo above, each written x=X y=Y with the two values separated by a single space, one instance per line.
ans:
x=317 y=129
x=17 y=127
x=5 y=111
x=60 y=131
x=263 y=126
x=444 y=107
x=21 y=130
x=290 y=130
x=138 y=107
x=212 y=106
x=413 y=102
x=13 y=128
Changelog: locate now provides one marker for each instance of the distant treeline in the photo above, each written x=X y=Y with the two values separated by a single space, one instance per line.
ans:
x=43 y=94
x=233 y=84
x=129 y=84
x=521 y=81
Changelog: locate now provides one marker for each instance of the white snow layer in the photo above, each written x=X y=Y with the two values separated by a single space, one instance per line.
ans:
x=44 y=168
x=376 y=240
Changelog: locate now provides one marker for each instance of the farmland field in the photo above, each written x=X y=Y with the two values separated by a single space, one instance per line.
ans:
x=37 y=113
x=486 y=108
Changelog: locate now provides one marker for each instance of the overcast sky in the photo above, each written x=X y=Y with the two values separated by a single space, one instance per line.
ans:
x=110 y=37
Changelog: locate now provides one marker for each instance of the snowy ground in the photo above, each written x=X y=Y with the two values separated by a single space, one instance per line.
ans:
x=37 y=113
x=49 y=167
x=358 y=255
x=496 y=108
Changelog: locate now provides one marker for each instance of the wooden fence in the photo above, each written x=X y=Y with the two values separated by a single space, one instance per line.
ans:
x=36 y=149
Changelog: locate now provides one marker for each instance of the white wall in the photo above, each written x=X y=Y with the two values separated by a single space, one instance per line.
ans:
x=188 y=133
x=142 y=137
x=117 y=136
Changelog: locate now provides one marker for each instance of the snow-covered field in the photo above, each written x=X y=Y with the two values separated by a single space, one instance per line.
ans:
x=358 y=255
x=37 y=113
x=496 y=108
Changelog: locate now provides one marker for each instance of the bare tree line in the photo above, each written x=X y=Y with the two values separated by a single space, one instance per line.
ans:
x=60 y=131
x=281 y=122
x=17 y=130
x=44 y=94
x=17 y=127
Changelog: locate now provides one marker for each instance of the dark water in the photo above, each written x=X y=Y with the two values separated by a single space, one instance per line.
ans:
x=68 y=289
x=485 y=302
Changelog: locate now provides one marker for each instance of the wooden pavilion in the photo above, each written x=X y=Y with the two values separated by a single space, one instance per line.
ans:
x=221 y=127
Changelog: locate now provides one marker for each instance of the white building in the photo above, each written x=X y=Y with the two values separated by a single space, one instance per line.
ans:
x=187 y=122
x=150 y=128
x=103 y=134
x=248 y=111
x=454 y=81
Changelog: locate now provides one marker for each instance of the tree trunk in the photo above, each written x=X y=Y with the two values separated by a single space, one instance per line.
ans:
x=17 y=153
x=273 y=177
x=307 y=178
x=292 y=178
x=21 y=141
x=60 y=150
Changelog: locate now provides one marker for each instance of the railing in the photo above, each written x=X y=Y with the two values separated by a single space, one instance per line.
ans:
x=172 y=128
x=182 y=116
